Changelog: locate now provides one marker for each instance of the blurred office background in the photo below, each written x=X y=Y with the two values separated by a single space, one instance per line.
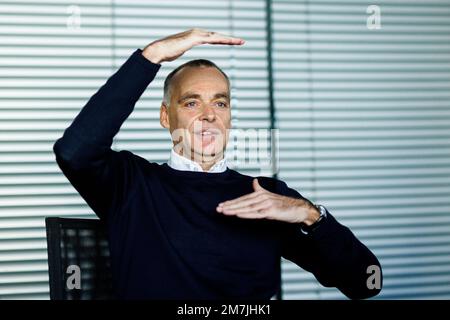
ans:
x=362 y=107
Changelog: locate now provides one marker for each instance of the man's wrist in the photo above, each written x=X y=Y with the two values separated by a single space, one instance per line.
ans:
x=307 y=227
x=313 y=216
x=151 y=54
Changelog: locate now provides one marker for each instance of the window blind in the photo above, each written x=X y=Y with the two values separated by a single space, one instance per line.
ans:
x=363 y=116
x=50 y=65
x=53 y=56
x=364 y=120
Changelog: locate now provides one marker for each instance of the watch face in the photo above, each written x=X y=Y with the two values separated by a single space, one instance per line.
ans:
x=322 y=210
x=323 y=214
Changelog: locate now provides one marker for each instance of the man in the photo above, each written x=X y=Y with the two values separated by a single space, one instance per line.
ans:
x=193 y=228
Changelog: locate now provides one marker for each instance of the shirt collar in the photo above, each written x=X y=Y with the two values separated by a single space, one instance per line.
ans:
x=182 y=163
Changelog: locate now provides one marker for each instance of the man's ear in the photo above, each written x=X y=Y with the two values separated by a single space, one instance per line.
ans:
x=164 y=116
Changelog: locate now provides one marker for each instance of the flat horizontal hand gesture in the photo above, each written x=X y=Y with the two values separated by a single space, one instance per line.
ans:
x=263 y=204
x=174 y=46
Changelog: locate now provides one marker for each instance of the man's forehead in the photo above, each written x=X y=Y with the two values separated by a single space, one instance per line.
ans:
x=189 y=75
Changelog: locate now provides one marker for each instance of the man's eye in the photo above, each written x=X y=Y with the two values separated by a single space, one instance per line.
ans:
x=190 y=104
x=222 y=104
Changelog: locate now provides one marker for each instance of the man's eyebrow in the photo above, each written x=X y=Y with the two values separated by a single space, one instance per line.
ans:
x=191 y=95
x=221 y=95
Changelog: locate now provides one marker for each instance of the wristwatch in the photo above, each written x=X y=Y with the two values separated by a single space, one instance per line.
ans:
x=305 y=229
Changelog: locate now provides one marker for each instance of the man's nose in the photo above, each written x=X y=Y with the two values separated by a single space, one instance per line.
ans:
x=208 y=113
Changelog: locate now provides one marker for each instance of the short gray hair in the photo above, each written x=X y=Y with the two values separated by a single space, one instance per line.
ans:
x=192 y=63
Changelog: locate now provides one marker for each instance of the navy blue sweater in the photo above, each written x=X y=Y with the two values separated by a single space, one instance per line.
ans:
x=167 y=240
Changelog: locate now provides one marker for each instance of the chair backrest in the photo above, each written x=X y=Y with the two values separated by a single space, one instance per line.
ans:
x=78 y=259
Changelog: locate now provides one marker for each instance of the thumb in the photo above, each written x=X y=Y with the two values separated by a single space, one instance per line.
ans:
x=256 y=185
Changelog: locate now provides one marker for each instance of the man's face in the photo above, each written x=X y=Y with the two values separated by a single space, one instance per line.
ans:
x=199 y=115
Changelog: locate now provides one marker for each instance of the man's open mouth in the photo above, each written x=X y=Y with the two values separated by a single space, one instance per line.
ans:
x=208 y=132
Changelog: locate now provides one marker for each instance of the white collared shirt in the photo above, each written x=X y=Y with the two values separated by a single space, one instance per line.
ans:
x=182 y=163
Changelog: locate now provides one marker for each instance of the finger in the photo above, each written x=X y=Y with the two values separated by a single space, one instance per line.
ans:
x=243 y=203
x=218 y=38
x=244 y=197
x=254 y=215
x=253 y=208
x=237 y=42
x=256 y=185
x=238 y=204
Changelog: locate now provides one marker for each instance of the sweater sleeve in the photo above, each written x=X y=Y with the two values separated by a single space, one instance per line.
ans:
x=332 y=253
x=84 y=151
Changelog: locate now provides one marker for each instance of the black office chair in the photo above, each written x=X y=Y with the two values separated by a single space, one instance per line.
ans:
x=83 y=244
